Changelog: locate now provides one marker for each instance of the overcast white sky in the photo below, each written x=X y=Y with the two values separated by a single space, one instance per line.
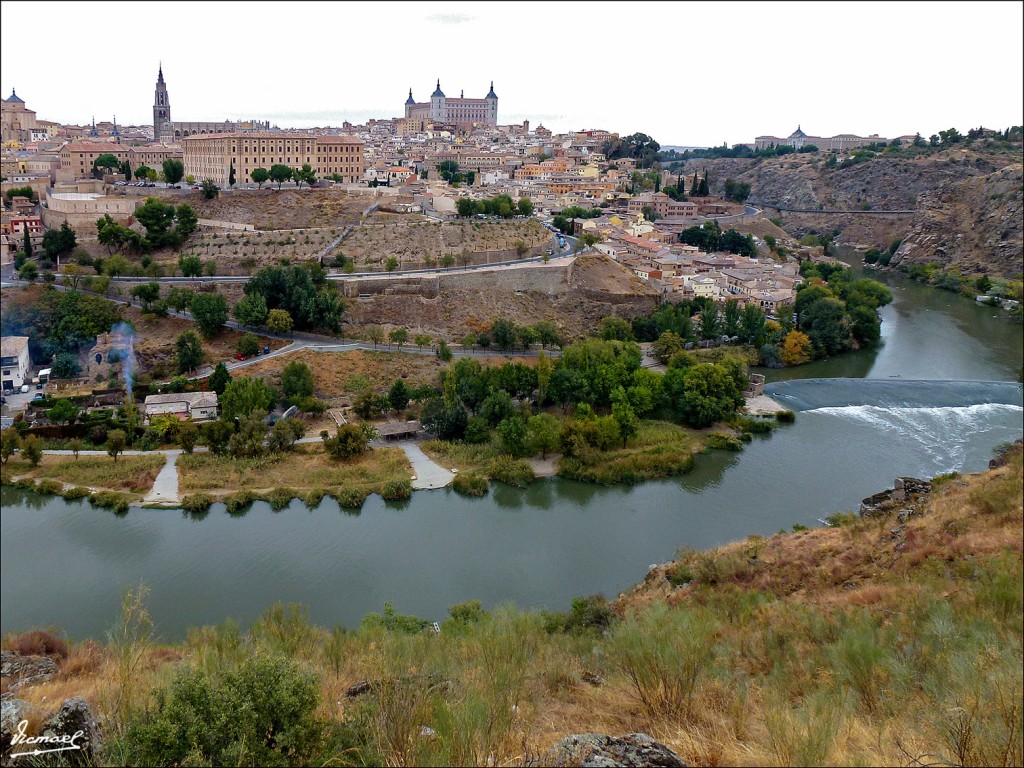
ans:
x=685 y=73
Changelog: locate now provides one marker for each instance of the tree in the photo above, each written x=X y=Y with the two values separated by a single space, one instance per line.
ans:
x=284 y=433
x=544 y=369
x=251 y=310
x=9 y=443
x=349 y=441
x=445 y=420
x=375 y=333
x=248 y=345
x=827 y=325
x=219 y=379
x=304 y=174
x=543 y=433
x=174 y=170
x=126 y=170
x=58 y=242
x=709 y=394
x=398 y=336
x=188 y=435
x=624 y=415
x=525 y=206
x=245 y=395
x=465 y=207
x=179 y=298
x=737 y=191
x=710 y=327
x=496 y=407
x=28 y=272
x=63 y=411
x=190 y=266
x=280 y=174
x=146 y=293
x=504 y=333
x=209 y=189
x=250 y=434
x=143 y=172
x=75 y=446
x=796 y=348
x=616 y=329
x=260 y=176
x=105 y=162
x=297 y=381
x=398 y=395
x=65 y=366
x=752 y=323
x=218 y=435
x=279 y=321
x=512 y=431
x=116 y=441
x=210 y=311
x=231 y=174
x=188 y=352
x=422 y=340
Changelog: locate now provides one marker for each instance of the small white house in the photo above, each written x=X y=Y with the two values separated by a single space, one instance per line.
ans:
x=198 y=406
x=14 y=361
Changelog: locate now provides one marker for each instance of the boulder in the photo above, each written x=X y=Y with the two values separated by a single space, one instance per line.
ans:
x=593 y=750
x=12 y=712
x=25 y=670
x=74 y=717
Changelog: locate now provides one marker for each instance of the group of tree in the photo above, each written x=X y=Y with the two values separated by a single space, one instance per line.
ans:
x=280 y=173
x=243 y=430
x=499 y=205
x=26 y=192
x=593 y=375
x=57 y=321
x=166 y=225
x=710 y=238
x=672 y=326
x=506 y=335
x=565 y=221
x=449 y=171
x=637 y=146
x=737 y=191
x=301 y=292
x=59 y=242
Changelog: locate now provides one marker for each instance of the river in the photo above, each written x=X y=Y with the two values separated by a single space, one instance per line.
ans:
x=936 y=397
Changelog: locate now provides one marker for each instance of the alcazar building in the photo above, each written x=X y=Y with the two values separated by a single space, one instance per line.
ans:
x=461 y=112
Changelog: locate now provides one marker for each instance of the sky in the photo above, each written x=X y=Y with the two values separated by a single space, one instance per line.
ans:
x=689 y=74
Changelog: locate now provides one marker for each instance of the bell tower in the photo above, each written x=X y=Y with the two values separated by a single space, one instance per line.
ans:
x=161 y=109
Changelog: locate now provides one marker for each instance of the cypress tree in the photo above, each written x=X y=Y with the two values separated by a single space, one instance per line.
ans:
x=28 y=241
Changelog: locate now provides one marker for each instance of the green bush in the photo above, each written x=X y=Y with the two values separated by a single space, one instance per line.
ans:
x=77 y=492
x=263 y=713
x=196 y=503
x=723 y=441
x=279 y=498
x=51 y=486
x=470 y=484
x=239 y=502
x=516 y=472
x=350 y=497
x=397 y=490
x=785 y=417
x=754 y=426
x=679 y=574
x=110 y=500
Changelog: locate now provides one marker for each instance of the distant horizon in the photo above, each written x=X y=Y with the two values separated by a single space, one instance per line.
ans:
x=780 y=67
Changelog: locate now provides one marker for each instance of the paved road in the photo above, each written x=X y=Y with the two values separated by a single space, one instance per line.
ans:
x=165 y=487
x=426 y=472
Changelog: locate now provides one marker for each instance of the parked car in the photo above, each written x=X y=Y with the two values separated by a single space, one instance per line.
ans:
x=266 y=350
x=239 y=356
x=38 y=396
x=24 y=389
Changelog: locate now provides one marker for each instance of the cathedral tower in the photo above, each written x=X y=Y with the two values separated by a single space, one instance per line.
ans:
x=161 y=110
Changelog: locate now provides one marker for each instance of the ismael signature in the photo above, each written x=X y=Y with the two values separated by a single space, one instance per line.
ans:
x=64 y=742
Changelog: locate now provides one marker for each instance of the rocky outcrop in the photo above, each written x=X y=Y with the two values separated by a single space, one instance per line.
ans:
x=592 y=750
x=69 y=737
x=74 y=724
x=25 y=670
x=973 y=225
x=905 y=490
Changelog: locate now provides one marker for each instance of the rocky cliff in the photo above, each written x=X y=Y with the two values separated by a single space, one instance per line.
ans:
x=966 y=201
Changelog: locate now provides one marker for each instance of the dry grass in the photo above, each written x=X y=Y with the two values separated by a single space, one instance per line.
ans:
x=305 y=467
x=128 y=473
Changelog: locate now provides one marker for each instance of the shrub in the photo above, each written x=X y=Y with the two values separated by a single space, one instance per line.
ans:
x=754 y=426
x=239 y=502
x=52 y=487
x=785 y=417
x=516 y=472
x=77 y=492
x=262 y=714
x=350 y=497
x=679 y=574
x=470 y=484
x=723 y=441
x=37 y=643
x=663 y=653
x=279 y=498
x=396 y=490
x=196 y=503
x=110 y=500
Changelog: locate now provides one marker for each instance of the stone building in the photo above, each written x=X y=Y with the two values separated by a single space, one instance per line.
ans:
x=17 y=122
x=167 y=131
x=798 y=139
x=212 y=156
x=76 y=158
x=460 y=112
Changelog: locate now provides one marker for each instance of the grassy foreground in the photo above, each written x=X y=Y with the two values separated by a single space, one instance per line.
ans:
x=875 y=642
x=132 y=474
